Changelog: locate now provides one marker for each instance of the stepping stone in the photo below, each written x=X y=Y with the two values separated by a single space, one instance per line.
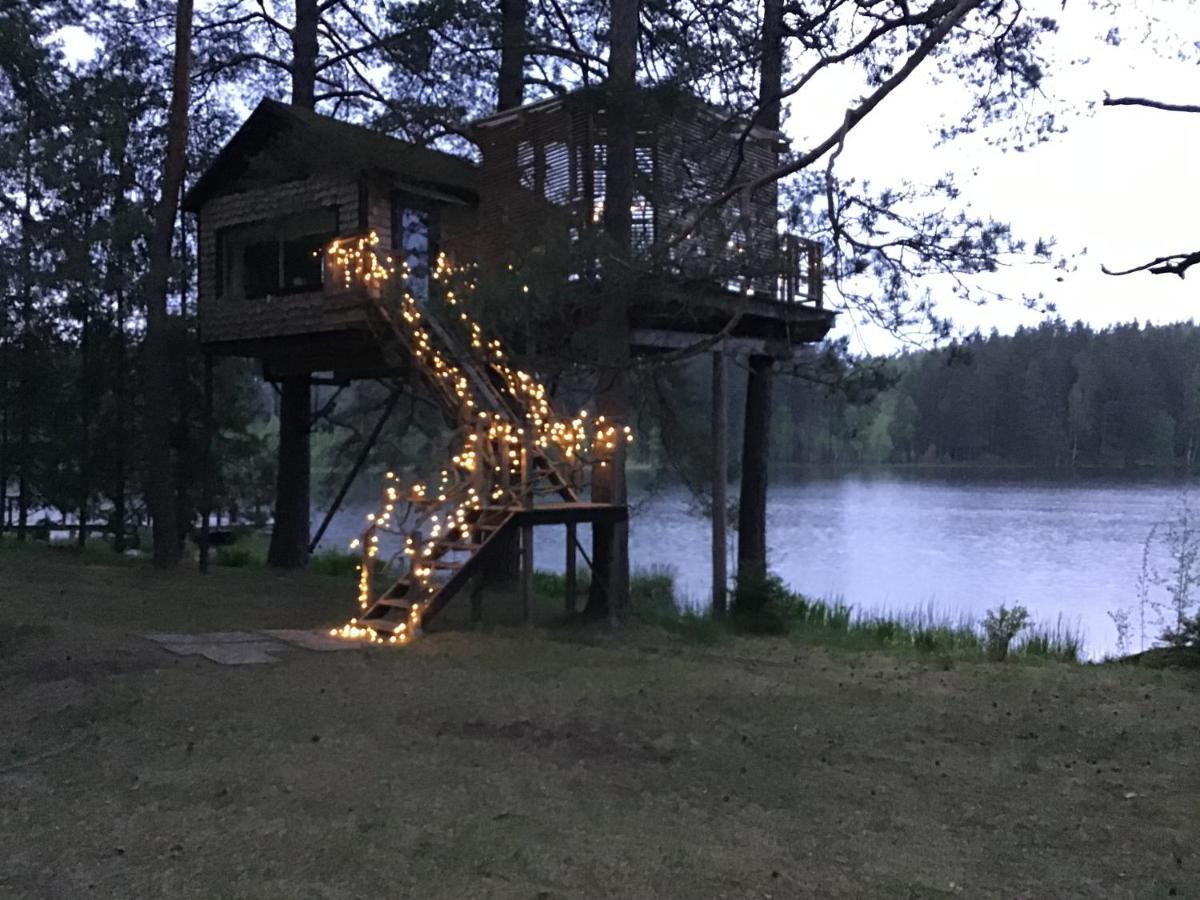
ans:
x=312 y=640
x=229 y=648
x=211 y=637
x=235 y=653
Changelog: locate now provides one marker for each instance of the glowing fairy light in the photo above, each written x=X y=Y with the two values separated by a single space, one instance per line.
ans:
x=493 y=461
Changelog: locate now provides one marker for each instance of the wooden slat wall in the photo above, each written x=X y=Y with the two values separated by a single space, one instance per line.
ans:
x=543 y=169
x=236 y=319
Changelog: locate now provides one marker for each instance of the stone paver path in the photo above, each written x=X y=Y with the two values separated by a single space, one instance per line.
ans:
x=237 y=648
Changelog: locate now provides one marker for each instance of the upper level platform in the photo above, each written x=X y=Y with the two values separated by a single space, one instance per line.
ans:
x=290 y=182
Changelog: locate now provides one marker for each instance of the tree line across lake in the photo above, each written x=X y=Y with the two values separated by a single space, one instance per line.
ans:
x=1053 y=395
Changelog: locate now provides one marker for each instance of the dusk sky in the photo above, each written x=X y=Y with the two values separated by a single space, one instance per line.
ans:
x=1120 y=187
x=1122 y=183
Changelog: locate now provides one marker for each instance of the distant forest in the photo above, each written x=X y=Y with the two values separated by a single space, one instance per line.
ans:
x=1055 y=395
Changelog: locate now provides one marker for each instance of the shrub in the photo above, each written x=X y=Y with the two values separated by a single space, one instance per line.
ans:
x=330 y=562
x=1000 y=626
x=1186 y=634
x=234 y=557
x=757 y=591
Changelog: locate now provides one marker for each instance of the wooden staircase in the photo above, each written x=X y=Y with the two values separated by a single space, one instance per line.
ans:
x=472 y=520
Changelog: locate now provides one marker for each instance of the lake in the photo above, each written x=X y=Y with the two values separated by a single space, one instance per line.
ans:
x=961 y=540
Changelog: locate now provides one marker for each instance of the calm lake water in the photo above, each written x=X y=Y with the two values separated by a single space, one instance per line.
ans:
x=962 y=541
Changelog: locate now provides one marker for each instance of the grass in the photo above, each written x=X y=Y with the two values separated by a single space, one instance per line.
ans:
x=776 y=610
x=521 y=764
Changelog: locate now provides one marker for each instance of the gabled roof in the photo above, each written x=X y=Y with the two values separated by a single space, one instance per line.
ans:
x=280 y=141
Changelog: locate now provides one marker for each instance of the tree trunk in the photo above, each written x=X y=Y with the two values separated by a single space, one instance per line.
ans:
x=752 y=505
x=26 y=377
x=85 y=424
x=114 y=285
x=770 y=85
x=513 y=41
x=304 y=54
x=120 y=401
x=289 y=536
x=610 y=546
x=158 y=380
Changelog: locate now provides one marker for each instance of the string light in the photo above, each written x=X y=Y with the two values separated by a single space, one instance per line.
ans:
x=498 y=447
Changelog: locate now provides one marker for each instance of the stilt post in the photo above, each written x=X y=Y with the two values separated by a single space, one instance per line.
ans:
x=720 y=439
x=526 y=530
x=206 y=464
x=752 y=505
x=570 y=569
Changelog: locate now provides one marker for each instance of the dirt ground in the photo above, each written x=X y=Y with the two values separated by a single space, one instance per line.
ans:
x=548 y=763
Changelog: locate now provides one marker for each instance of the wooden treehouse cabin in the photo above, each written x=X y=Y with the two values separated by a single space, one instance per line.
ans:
x=303 y=219
x=542 y=185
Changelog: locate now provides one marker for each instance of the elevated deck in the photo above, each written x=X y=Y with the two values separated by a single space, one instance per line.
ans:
x=339 y=328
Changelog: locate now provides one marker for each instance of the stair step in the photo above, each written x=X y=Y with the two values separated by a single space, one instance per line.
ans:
x=395 y=602
x=460 y=546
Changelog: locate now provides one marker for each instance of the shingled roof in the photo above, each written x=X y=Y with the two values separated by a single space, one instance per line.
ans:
x=279 y=142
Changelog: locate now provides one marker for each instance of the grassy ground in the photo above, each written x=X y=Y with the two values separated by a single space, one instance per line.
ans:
x=559 y=761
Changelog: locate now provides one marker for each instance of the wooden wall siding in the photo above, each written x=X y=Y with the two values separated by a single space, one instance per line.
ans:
x=379 y=209
x=543 y=179
x=226 y=321
x=237 y=319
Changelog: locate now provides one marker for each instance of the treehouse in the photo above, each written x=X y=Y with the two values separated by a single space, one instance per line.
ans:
x=703 y=262
x=303 y=220
x=286 y=185
x=290 y=181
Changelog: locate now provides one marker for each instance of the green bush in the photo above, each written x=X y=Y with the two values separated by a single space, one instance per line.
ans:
x=1000 y=626
x=234 y=557
x=330 y=562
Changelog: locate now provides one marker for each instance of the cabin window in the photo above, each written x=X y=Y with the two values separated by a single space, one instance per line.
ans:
x=260 y=268
x=526 y=165
x=276 y=257
x=414 y=236
x=558 y=173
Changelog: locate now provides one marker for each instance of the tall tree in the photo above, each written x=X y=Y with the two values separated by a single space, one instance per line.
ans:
x=289 y=536
x=756 y=451
x=610 y=582
x=156 y=424
x=513 y=38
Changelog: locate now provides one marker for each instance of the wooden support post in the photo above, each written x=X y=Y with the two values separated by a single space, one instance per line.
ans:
x=526 y=530
x=752 y=504
x=720 y=438
x=477 y=605
x=205 y=464
x=354 y=470
x=289 y=535
x=526 y=574
x=570 y=571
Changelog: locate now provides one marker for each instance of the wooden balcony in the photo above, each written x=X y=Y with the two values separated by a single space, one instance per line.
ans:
x=336 y=329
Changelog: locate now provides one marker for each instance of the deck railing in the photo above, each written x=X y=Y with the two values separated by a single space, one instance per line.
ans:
x=800 y=278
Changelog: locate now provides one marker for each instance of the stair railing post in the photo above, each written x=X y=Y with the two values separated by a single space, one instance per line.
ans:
x=526 y=530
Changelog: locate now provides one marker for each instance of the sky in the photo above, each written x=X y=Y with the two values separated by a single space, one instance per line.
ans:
x=1120 y=187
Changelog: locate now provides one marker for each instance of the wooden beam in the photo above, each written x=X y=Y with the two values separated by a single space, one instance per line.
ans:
x=563 y=513
x=354 y=470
